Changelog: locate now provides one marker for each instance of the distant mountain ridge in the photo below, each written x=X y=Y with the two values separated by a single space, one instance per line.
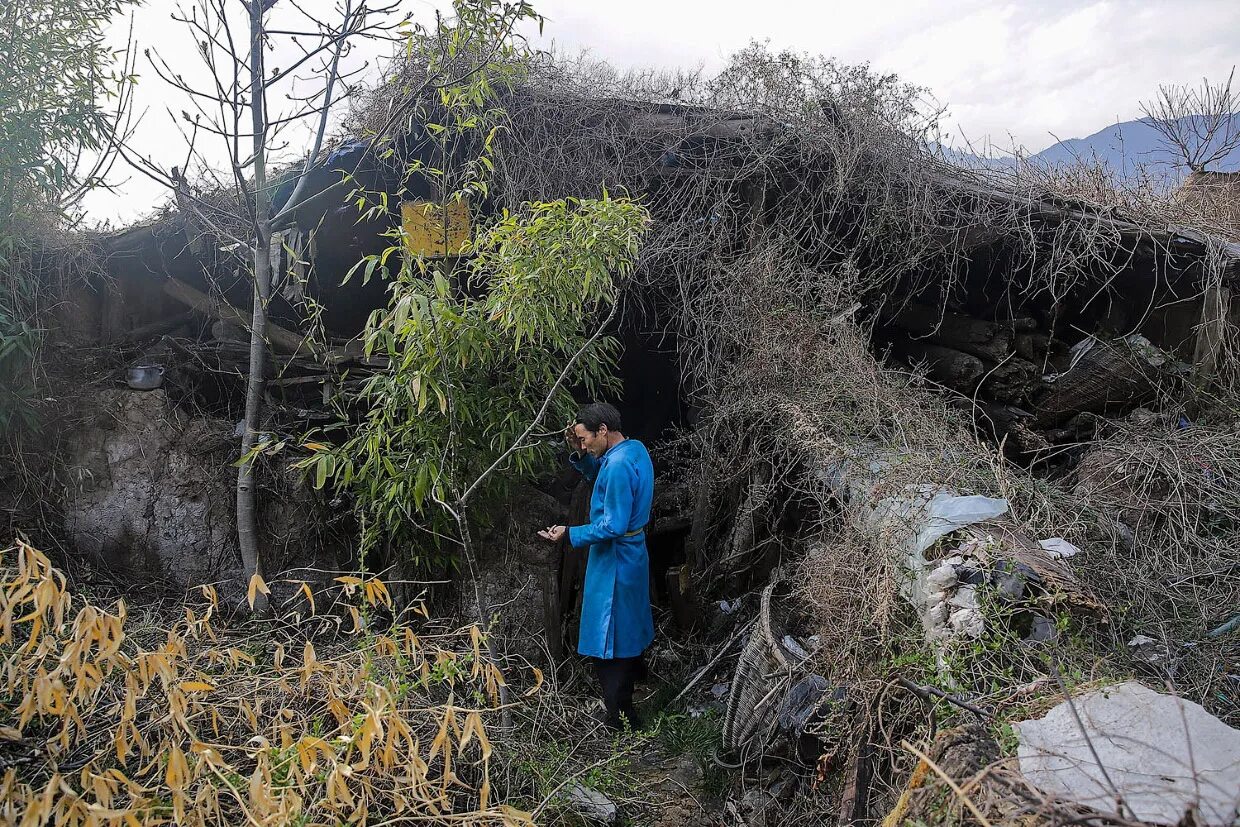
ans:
x=1122 y=147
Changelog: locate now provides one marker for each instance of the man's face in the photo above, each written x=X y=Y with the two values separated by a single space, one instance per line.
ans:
x=593 y=442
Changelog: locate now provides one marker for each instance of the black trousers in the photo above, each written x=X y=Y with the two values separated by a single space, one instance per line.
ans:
x=616 y=676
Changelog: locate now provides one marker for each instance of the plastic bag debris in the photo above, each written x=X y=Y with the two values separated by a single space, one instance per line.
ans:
x=1058 y=548
x=913 y=523
x=799 y=705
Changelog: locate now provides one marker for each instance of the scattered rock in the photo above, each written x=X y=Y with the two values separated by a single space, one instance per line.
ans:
x=968 y=622
x=1011 y=580
x=1149 y=650
x=755 y=808
x=1041 y=629
x=592 y=805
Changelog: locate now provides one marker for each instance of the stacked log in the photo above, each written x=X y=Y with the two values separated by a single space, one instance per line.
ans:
x=1022 y=382
x=998 y=360
x=944 y=365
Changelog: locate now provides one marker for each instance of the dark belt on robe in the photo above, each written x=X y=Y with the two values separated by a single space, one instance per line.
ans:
x=635 y=533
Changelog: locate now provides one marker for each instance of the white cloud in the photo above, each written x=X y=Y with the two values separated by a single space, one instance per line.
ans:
x=1034 y=69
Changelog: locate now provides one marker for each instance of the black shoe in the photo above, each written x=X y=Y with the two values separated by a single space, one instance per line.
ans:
x=601 y=717
x=619 y=724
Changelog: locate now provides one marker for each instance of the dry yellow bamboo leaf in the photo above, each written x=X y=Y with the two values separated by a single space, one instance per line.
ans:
x=177 y=773
x=305 y=589
x=257 y=584
x=248 y=711
x=475 y=637
x=538 y=682
x=338 y=793
x=237 y=657
x=384 y=595
x=309 y=661
x=121 y=743
x=484 y=791
x=515 y=818
x=195 y=686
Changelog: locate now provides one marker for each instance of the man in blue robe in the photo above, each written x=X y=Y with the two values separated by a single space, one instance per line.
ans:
x=616 y=621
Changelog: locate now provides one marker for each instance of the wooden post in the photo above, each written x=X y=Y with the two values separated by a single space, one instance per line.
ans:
x=1212 y=331
x=679 y=596
x=694 y=549
x=549 y=580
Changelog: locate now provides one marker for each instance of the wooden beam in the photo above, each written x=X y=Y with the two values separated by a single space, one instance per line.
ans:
x=158 y=328
x=281 y=339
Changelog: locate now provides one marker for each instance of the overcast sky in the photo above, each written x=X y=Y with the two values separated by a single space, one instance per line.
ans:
x=1029 y=71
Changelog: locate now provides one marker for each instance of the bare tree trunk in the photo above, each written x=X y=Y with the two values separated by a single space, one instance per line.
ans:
x=247 y=518
x=482 y=606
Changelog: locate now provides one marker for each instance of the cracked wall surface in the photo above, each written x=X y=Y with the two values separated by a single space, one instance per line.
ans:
x=153 y=495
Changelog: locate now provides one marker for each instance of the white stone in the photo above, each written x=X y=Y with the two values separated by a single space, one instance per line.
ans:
x=1058 y=548
x=592 y=805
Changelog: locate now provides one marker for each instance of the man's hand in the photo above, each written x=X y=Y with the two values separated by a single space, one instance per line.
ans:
x=571 y=438
x=553 y=533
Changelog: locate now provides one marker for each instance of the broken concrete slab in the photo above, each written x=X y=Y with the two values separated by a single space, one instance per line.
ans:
x=1160 y=755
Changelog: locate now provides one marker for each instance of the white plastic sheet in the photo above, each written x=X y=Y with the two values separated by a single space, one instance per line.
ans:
x=1162 y=754
x=1058 y=548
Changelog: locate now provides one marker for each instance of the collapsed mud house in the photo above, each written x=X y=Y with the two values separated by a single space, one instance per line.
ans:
x=825 y=318
x=967 y=299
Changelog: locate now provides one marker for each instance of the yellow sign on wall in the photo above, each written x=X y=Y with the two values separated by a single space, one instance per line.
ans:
x=434 y=230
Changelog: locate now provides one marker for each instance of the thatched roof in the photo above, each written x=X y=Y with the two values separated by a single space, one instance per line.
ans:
x=1214 y=194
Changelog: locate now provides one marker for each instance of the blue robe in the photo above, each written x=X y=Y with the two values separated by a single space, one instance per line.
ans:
x=615 y=606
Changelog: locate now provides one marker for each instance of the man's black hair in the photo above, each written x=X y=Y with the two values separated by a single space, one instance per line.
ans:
x=597 y=414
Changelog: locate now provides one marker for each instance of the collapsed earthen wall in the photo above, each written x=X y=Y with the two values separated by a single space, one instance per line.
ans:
x=152 y=496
